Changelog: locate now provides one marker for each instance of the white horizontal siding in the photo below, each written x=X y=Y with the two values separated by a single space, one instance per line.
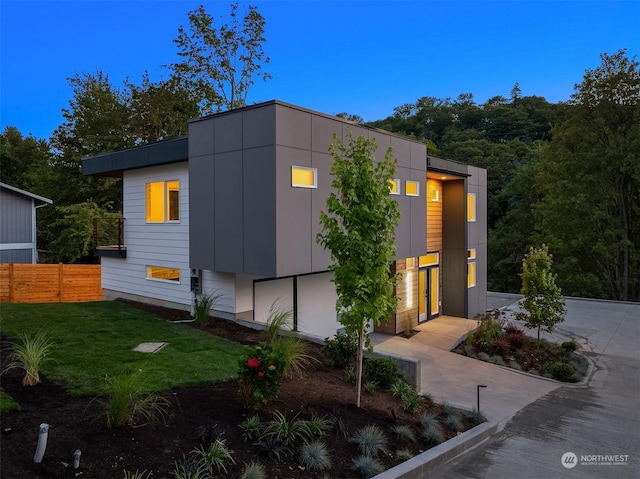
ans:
x=154 y=244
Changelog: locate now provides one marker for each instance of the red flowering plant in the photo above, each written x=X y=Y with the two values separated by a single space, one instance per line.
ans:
x=260 y=375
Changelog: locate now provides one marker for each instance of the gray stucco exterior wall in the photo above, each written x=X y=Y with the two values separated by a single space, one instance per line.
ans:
x=254 y=221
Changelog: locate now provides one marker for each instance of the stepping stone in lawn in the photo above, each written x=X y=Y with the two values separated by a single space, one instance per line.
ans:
x=149 y=347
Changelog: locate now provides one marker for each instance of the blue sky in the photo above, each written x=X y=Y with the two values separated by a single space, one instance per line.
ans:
x=363 y=57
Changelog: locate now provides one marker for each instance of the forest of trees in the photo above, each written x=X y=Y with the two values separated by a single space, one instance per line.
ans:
x=565 y=174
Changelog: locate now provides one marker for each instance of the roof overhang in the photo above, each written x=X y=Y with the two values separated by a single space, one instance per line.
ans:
x=114 y=163
x=39 y=200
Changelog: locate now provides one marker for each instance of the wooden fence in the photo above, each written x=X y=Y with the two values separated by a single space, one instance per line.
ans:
x=49 y=283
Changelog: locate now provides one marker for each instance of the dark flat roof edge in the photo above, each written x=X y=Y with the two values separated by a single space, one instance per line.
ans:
x=114 y=163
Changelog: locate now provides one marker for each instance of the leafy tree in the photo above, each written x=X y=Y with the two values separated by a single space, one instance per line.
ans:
x=543 y=304
x=159 y=110
x=359 y=230
x=24 y=160
x=591 y=181
x=75 y=230
x=351 y=117
x=220 y=63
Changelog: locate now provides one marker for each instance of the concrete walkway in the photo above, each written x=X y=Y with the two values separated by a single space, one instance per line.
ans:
x=452 y=378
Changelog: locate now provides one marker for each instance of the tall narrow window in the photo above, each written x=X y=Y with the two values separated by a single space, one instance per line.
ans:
x=471 y=206
x=471 y=275
x=302 y=177
x=162 y=201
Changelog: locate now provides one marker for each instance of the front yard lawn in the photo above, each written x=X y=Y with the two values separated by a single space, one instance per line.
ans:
x=94 y=340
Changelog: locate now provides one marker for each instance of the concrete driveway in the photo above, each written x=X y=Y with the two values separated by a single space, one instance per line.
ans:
x=594 y=428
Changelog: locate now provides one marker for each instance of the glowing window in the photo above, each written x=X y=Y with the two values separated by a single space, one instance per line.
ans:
x=471 y=275
x=471 y=254
x=429 y=259
x=409 y=263
x=394 y=186
x=163 y=274
x=412 y=188
x=162 y=201
x=471 y=206
x=302 y=177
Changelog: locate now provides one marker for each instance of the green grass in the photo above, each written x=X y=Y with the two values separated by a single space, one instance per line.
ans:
x=94 y=340
x=7 y=403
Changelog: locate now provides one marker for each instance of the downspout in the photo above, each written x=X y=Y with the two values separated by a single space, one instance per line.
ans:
x=34 y=251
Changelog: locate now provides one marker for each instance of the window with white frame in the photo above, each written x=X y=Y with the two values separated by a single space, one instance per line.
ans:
x=161 y=273
x=303 y=177
x=162 y=199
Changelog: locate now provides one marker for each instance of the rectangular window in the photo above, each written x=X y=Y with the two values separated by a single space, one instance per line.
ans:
x=471 y=206
x=412 y=188
x=471 y=253
x=162 y=201
x=302 y=177
x=409 y=263
x=394 y=186
x=430 y=259
x=471 y=275
x=163 y=274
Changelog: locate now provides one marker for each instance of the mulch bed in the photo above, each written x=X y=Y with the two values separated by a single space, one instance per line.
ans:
x=79 y=422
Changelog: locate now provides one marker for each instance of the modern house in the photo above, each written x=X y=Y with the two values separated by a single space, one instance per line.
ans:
x=18 y=224
x=234 y=207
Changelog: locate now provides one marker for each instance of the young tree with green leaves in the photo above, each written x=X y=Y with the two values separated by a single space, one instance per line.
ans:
x=220 y=63
x=359 y=230
x=543 y=305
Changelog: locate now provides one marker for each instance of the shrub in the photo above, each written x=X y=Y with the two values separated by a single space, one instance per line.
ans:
x=29 y=354
x=350 y=375
x=367 y=466
x=501 y=346
x=427 y=420
x=401 y=388
x=137 y=475
x=273 y=447
x=190 y=467
x=412 y=401
x=254 y=470
x=338 y=424
x=452 y=421
x=260 y=375
x=203 y=304
x=215 y=456
x=433 y=433
x=382 y=370
x=285 y=430
x=516 y=338
x=475 y=415
x=318 y=426
x=404 y=454
x=490 y=328
x=562 y=371
x=404 y=433
x=340 y=351
x=370 y=440
x=370 y=386
x=569 y=346
x=314 y=456
x=291 y=349
x=251 y=427
x=129 y=402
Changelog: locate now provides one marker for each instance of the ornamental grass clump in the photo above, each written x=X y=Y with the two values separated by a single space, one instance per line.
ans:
x=203 y=304
x=314 y=456
x=29 y=354
x=371 y=440
x=367 y=466
x=216 y=456
x=130 y=402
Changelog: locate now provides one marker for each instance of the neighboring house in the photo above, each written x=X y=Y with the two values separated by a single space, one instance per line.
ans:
x=18 y=224
x=234 y=207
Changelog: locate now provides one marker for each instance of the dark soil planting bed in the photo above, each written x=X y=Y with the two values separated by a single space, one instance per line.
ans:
x=198 y=415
